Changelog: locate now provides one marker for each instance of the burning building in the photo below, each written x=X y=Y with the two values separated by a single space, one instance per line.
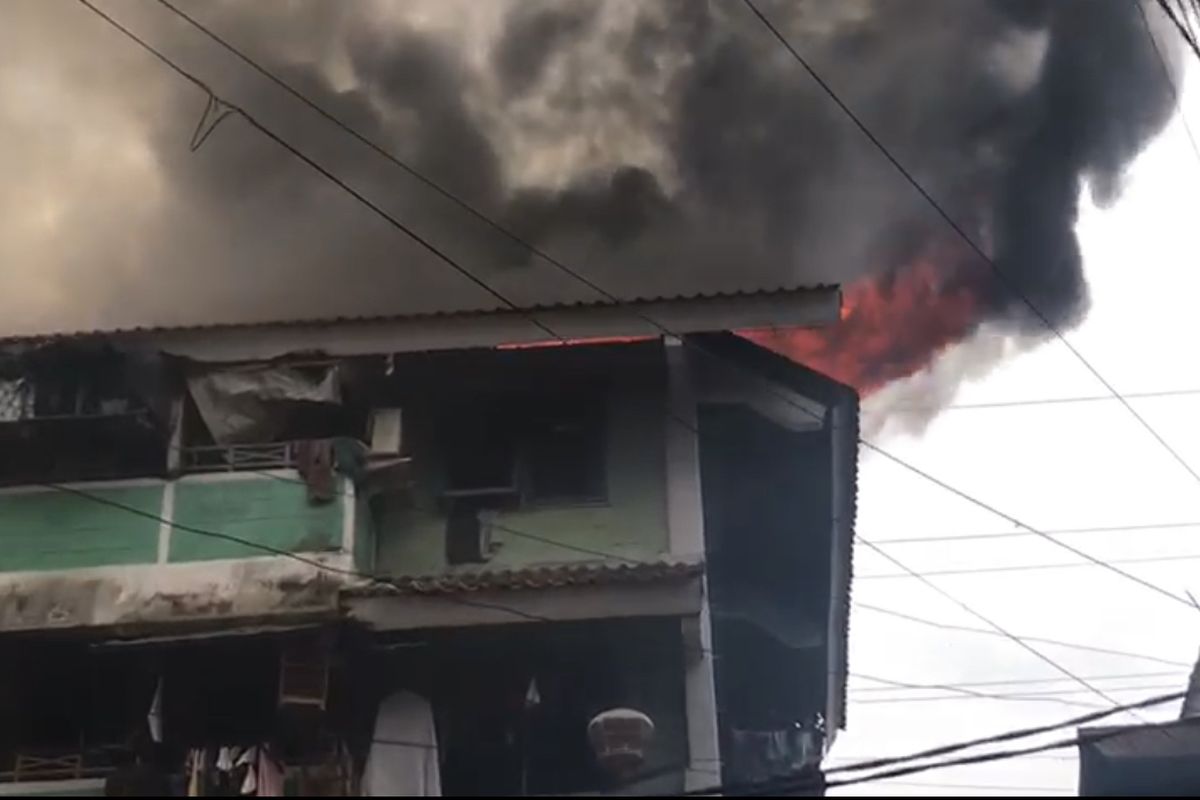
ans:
x=308 y=495
x=425 y=555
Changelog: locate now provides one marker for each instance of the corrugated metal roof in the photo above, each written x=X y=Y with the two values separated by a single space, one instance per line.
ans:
x=543 y=576
x=1171 y=740
x=150 y=330
x=834 y=395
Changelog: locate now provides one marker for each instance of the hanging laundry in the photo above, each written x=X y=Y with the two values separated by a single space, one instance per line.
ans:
x=314 y=462
x=196 y=762
x=225 y=759
x=250 y=782
x=533 y=697
x=403 y=759
x=270 y=775
x=248 y=756
x=154 y=718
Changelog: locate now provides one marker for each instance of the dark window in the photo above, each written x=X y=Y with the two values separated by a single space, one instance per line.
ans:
x=542 y=451
x=565 y=454
x=480 y=450
x=66 y=415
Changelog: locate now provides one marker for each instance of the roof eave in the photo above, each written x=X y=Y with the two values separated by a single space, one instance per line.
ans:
x=807 y=307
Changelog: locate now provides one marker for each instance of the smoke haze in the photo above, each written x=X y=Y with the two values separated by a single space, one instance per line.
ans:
x=658 y=146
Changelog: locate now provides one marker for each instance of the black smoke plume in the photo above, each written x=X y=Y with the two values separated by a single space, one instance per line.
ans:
x=657 y=146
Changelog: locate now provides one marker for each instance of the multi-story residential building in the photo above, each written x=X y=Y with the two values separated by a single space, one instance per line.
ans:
x=425 y=554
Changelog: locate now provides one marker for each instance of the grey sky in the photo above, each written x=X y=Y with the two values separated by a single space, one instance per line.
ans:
x=1051 y=466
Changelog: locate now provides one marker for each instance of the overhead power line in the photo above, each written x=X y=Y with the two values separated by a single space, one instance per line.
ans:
x=324 y=172
x=1012 y=735
x=895 y=686
x=1004 y=279
x=1048 y=401
x=1062 y=757
x=1028 y=567
x=208 y=533
x=1049 y=695
x=320 y=169
x=420 y=240
x=982 y=787
x=956 y=693
x=275 y=551
x=532 y=248
x=1184 y=32
x=1006 y=755
x=1023 y=644
x=1166 y=69
x=1150 y=526
x=367 y=577
x=572 y=273
x=964 y=691
x=947 y=626
x=911 y=764
x=333 y=178
x=1018 y=523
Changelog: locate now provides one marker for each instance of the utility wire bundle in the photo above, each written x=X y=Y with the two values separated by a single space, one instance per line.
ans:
x=926 y=760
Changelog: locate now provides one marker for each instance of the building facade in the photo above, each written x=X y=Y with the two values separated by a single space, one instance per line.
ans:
x=425 y=555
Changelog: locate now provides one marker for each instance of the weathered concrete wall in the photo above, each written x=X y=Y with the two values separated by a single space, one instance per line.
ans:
x=135 y=596
x=631 y=523
x=69 y=561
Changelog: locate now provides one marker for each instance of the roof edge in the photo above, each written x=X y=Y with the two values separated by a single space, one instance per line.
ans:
x=809 y=307
x=477 y=312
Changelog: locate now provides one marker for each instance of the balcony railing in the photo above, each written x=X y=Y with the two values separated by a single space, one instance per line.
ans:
x=237 y=457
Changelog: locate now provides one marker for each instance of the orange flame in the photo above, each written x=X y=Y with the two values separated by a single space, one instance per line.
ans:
x=890 y=327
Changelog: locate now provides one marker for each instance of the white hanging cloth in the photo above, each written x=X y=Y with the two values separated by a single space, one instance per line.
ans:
x=403 y=759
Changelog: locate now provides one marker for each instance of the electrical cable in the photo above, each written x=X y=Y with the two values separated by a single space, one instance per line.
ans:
x=1049 y=401
x=1039 y=639
x=1024 y=645
x=325 y=173
x=1018 y=523
x=319 y=565
x=1166 y=69
x=590 y=284
x=1150 y=526
x=420 y=240
x=970 y=242
x=983 y=787
x=894 y=685
x=960 y=692
x=1027 y=567
x=265 y=548
x=957 y=693
x=349 y=572
x=1005 y=755
x=903 y=764
x=1184 y=33
x=1056 y=695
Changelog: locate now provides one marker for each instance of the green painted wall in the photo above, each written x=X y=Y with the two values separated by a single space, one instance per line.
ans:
x=364 y=536
x=257 y=508
x=631 y=524
x=49 y=530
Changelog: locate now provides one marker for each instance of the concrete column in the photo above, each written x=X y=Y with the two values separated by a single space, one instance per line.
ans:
x=685 y=526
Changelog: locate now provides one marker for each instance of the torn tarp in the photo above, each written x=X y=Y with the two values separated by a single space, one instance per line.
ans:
x=236 y=404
